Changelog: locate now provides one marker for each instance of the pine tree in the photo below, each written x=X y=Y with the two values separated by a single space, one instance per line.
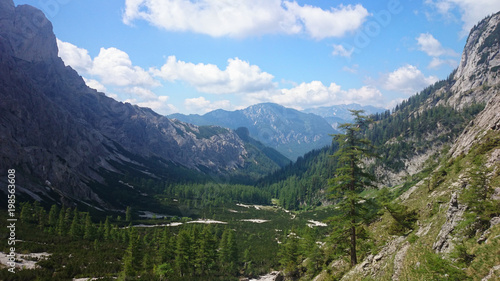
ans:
x=477 y=197
x=289 y=254
x=107 y=229
x=224 y=256
x=233 y=252
x=165 y=252
x=61 y=224
x=26 y=212
x=74 y=230
x=350 y=179
x=128 y=214
x=130 y=258
x=53 y=214
x=206 y=256
x=90 y=231
x=183 y=253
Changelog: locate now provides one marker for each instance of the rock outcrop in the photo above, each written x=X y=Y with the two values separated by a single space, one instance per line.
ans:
x=479 y=68
x=453 y=216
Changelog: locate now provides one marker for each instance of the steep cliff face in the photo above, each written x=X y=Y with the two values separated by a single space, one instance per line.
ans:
x=60 y=134
x=479 y=67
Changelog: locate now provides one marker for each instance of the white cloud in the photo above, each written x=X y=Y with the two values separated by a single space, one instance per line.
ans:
x=407 y=79
x=339 y=50
x=432 y=47
x=315 y=94
x=202 y=105
x=353 y=69
x=471 y=11
x=78 y=58
x=159 y=104
x=321 y=23
x=94 y=84
x=437 y=62
x=238 y=77
x=242 y=18
x=114 y=67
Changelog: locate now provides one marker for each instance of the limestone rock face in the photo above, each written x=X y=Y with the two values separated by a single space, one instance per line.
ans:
x=479 y=67
x=487 y=120
x=453 y=216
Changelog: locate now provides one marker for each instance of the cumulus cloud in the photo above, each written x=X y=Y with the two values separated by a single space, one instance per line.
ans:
x=238 y=77
x=78 y=58
x=471 y=11
x=111 y=66
x=320 y=23
x=159 y=104
x=114 y=66
x=407 y=79
x=242 y=18
x=202 y=105
x=432 y=47
x=94 y=84
x=315 y=94
x=437 y=62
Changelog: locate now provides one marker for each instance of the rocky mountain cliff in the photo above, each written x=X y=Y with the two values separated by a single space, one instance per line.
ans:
x=291 y=132
x=62 y=136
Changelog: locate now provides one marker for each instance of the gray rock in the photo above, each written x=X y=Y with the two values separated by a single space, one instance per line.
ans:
x=453 y=216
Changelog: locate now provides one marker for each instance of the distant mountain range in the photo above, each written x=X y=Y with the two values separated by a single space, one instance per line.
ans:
x=291 y=132
x=338 y=114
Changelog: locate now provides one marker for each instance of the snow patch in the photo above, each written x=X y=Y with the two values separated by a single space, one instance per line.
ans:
x=255 y=220
x=313 y=223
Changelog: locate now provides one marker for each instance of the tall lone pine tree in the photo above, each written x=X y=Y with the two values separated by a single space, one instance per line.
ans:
x=350 y=178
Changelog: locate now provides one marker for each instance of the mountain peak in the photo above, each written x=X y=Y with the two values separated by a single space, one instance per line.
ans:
x=28 y=31
x=480 y=62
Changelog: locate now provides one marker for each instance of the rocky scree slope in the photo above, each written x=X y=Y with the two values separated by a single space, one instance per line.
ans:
x=61 y=135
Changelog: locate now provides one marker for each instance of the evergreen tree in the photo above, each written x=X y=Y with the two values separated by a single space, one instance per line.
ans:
x=61 y=224
x=228 y=252
x=130 y=258
x=107 y=229
x=26 y=212
x=53 y=214
x=128 y=214
x=74 y=230
x=206 y=256
x=90 y=231
x=166 y=251
x=477 y=197
x=183 y=253
x=350 y=179
x=289 y=254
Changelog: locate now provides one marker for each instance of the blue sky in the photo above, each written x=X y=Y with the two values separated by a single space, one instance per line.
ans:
x=197 y=56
